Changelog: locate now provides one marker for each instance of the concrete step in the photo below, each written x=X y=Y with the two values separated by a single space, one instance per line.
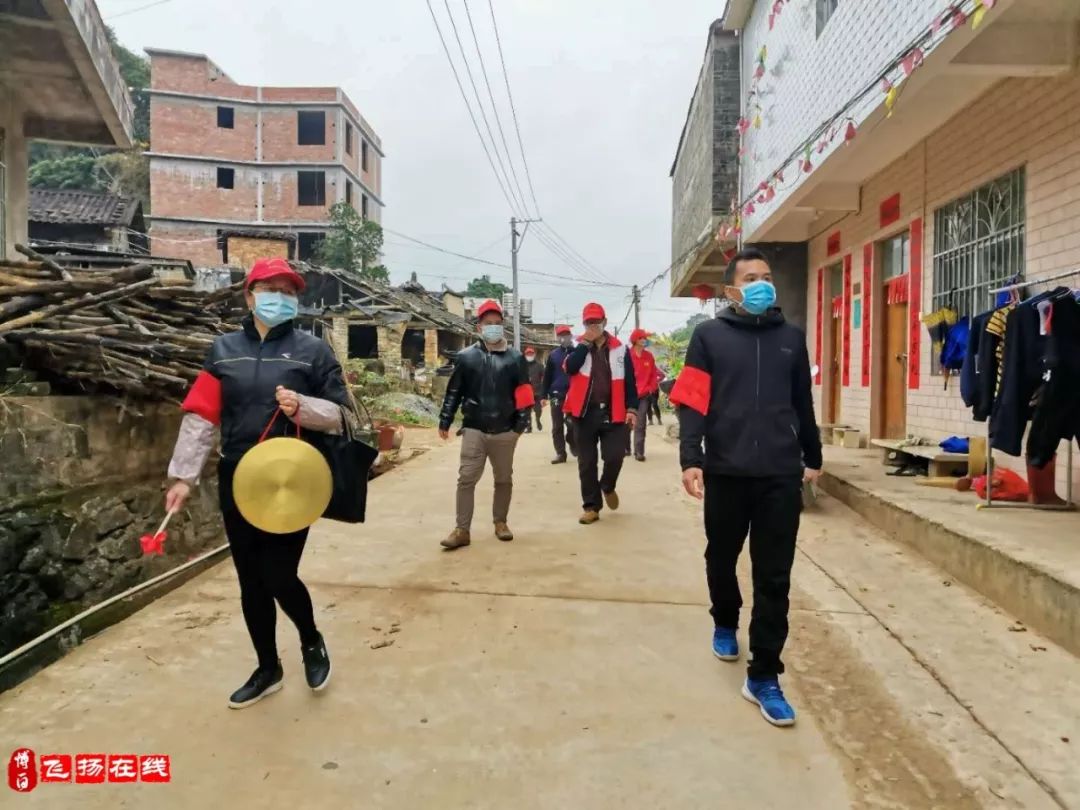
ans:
x=1027 y=562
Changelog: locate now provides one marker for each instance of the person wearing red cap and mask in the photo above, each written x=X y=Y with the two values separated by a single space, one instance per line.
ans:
x=490 y=385
x=536 y=380
x=603 y=401
x=556 y=385
x=647 y=387
x=247 y=377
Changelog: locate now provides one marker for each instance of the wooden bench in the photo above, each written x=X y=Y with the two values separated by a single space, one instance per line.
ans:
x=940 y=463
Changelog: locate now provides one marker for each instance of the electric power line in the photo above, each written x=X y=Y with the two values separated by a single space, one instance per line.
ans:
x=138 y=9
x=513 y=108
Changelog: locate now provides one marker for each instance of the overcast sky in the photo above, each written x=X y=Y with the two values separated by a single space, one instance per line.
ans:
x=601 y=89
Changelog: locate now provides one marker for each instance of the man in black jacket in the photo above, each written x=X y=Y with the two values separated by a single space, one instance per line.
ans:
x=490 y=385
x=746 y=392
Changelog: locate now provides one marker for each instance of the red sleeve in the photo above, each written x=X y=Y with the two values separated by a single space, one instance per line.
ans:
x=523 y=397
x=204 y=398
x=693 y=389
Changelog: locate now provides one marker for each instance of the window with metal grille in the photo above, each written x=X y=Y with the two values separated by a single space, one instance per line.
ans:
x=979 y=244
x=825 y=10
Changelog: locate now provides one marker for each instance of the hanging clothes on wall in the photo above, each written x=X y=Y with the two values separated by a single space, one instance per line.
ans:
x=1020 y=372
x=1057 y=408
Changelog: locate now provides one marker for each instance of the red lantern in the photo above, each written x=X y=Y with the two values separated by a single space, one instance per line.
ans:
x=703 y=292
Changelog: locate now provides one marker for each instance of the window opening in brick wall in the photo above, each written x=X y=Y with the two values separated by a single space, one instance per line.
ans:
x=226 y=178
x=307 y=244
x=348 y=192
x=825 y=10
x=979 y=244
x=311 y=128
x=363 y=206
x=363 y=156
x=226 y=117
x=895 y=256
x=311 y=188
x=348 y=138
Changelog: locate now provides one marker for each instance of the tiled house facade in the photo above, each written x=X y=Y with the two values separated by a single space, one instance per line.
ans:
x=973 y=179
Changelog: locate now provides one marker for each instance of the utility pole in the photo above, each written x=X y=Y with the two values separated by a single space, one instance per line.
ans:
x=637 y=307
x=515 y=246
x=517 y=300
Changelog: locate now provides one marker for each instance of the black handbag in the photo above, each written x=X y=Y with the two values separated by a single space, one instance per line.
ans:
x=350 y=459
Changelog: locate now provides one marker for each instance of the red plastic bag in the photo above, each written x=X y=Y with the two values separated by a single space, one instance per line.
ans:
x=1007 y=486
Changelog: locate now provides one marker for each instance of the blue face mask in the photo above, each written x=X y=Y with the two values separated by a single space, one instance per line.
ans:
x=275 y=308
x=492 y=333
x=758 y=297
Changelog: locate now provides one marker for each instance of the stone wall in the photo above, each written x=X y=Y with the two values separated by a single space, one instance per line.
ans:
x=83 y=480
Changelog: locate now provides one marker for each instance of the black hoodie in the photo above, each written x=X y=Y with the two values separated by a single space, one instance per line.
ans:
x=746 y=392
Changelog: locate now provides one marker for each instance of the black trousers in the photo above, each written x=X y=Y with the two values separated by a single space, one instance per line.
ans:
x=267 y=566
x=562 y=429
x=598 y=437
x=654 y=408
x=769 y=510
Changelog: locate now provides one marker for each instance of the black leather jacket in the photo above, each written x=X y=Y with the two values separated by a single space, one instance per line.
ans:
x=485 y=386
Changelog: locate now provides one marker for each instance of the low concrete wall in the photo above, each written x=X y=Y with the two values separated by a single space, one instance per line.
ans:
x=82 y=481
x=1043 y=602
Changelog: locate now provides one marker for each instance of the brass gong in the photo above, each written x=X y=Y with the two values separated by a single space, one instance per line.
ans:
x=282 y=485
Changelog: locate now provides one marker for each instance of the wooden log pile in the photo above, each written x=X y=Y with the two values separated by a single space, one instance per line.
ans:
x=119 y=330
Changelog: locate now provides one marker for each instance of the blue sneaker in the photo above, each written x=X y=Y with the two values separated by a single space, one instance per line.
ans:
x=768 y=695
x=724 y=644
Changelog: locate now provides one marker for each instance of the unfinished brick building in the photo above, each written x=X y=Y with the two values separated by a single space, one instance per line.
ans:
x=232 y=162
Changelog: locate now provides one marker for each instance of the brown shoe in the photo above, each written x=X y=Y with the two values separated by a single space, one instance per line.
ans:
x=612 y=500
x=457 y=539
x=502 y=531
x=589 y=518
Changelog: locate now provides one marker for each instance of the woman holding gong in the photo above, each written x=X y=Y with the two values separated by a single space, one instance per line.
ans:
x=248 y=377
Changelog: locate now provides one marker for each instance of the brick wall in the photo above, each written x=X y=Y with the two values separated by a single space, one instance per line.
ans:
x=181 y=188
x=279 y=136
x=196 y=243
x=281 y=196
x=194 y=74
x=186 y=127
x=1033 y=123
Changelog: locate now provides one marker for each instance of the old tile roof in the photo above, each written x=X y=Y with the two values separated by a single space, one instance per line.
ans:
x=81 y=207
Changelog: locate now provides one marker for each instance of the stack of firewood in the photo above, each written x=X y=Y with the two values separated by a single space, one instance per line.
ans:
x=121 y=330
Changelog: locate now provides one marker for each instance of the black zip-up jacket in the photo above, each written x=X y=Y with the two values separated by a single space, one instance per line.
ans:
x=485 y=385
x=746 y=392
x=250 y=369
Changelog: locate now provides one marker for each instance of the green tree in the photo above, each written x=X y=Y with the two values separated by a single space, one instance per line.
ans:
x=484 y=287
x=353 y=243
x=683 y=333
x=75 y=171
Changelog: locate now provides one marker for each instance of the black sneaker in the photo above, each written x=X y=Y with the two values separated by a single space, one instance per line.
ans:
x=559 y=460
x=262 y=682
x=316 y=664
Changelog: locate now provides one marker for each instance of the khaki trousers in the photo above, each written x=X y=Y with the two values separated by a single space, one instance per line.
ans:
x=477 y=448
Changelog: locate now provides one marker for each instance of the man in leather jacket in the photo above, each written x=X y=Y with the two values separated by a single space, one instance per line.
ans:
x=490 y=385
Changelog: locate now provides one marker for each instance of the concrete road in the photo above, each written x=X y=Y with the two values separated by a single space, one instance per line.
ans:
x=570 y=668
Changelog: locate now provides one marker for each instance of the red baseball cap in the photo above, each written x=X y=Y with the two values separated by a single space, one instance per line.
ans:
x=265 y=269
x=488 y=306
x=563 y=330
x=638 y=334
x=593 y=312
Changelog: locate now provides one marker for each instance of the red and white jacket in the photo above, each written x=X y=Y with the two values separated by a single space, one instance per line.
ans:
x=578 y=365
